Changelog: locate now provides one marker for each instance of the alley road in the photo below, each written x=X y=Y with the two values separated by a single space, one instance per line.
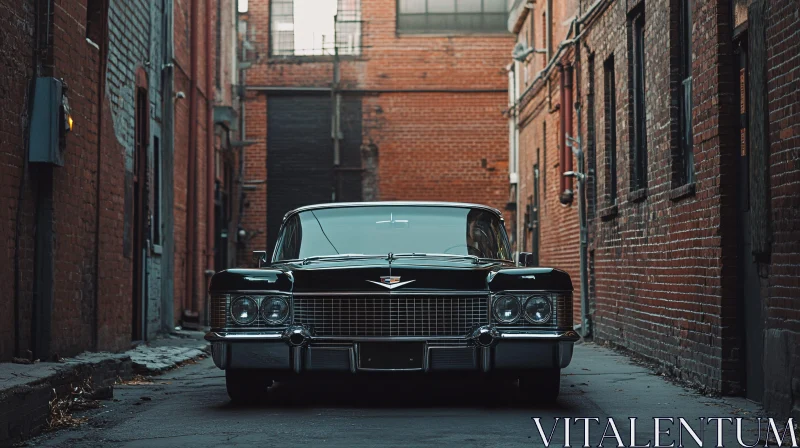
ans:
x=188 y=407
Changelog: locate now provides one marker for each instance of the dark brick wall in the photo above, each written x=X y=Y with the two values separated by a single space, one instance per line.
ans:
x=16 y=58
x=781 y=287
x=92 y=219
x=663 y=264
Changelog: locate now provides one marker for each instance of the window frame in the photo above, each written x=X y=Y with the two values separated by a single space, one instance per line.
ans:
x=683 y=172
x=638 y=106
x=448 y=31
x=610 y=127
x=353 y=18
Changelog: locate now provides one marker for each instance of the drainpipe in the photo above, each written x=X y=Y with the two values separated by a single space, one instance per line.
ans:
x=189 y=301
x=562 y=131
x=566 y=126
x=210 y=150
x=167 y=160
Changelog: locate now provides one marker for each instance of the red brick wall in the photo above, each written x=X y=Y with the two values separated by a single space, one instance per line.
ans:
x=431 y=145
x=16 y=23
x=203 y=214
x=661 y=287
x=782 y=288
x=83 y=296
x=559 y=232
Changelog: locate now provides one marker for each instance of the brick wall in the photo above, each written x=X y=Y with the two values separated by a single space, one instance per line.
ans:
x=184 y=149
x=664 y=262
x=92 y=193
x=448 y=141
x=16 y=58
x=539 y=118
x=781 y=289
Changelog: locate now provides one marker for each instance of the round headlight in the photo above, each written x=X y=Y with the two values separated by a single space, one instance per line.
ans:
x=244 y=310
x=506 y=309
x=538 y=309
x=274 y=310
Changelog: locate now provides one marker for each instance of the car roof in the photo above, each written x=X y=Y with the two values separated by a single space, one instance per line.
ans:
x=393 y=203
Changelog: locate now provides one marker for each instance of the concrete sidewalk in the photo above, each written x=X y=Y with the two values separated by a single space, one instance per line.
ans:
x=26 y=390
x=621 y=387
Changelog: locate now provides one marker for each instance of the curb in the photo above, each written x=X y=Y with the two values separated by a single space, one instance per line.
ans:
x=25 y=406
x=26 y=390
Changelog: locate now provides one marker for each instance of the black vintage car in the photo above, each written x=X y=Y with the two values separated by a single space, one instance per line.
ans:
x=360 y=288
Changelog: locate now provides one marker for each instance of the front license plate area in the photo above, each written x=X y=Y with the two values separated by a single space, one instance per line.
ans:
x=391 y=355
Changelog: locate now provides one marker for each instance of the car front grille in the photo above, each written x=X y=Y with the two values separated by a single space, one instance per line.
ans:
x=391 y=316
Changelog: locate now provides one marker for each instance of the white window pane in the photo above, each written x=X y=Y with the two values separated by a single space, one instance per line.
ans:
x=441 y=6
x=412 y=6
x=494 y=6
x=468 y=5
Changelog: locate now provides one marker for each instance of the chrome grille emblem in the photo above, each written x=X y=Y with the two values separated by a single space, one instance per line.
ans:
x=391 y=282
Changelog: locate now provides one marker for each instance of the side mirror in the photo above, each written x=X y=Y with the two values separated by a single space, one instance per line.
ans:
x=260 y=256
x=524 y=259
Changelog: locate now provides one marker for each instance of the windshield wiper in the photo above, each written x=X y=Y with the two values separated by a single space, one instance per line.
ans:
x=340 y=257
x=473 y=258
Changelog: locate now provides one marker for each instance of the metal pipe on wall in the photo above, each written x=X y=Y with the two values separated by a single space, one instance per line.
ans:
x=191 y=184
x=567 y=192
x=562 y=131
x=210 y=150
x=167 y=160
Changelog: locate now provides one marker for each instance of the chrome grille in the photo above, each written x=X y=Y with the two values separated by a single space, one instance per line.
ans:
x=218 y=314
x=387 y=316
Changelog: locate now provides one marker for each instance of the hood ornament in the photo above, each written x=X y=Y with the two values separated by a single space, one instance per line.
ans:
x=390 y=282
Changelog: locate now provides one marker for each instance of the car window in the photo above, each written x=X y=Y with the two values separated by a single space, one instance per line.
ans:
x=393 y=229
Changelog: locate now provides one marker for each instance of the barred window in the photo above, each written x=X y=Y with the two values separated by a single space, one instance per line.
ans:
x=315 y=27
x=452 y=16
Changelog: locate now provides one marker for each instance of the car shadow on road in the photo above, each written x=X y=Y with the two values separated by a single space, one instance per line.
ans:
x=408 y=393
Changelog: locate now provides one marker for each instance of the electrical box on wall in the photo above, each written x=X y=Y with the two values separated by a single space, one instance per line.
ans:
x=50 y=122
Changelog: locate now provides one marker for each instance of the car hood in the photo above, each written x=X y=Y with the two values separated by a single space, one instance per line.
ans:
x=405 y=275
x=415 y=275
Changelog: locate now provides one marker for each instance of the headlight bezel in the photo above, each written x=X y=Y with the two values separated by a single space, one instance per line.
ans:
x=554 y=298
x=262 y=309
x=548 y=299
x=255 y=315
x=495 y=313
x=260 y=298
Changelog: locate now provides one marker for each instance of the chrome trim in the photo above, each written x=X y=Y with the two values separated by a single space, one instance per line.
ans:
x=568 y=336
x=252 y=292
x=486 y=359
x=214 y=336
x=391 y=204
x=404 y=292
x=297 y=361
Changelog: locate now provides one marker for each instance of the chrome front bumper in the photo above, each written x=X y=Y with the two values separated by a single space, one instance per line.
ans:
x=487 y=349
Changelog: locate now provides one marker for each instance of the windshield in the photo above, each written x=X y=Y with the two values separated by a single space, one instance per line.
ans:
x=393 y=229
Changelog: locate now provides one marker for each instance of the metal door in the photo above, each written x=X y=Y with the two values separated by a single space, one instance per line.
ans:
x=750 y=297
x=139 y=215
x=300 y=168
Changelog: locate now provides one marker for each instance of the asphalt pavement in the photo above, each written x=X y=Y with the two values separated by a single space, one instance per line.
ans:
x=189 y=407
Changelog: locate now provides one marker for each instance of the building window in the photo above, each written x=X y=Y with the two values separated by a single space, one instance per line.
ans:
x=94 y=20
x=638 y=160
x=610 y=114
x=686 y=150
x=315 y=27
x=452 y=16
